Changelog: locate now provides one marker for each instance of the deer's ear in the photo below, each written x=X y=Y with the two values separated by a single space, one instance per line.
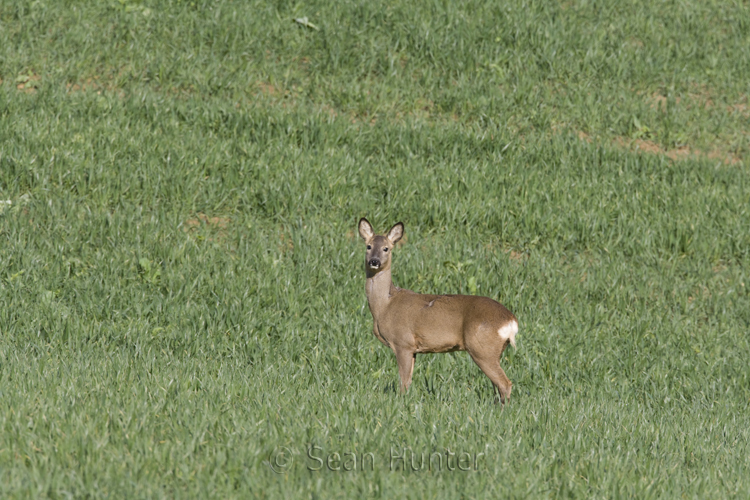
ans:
x=396 y=232
x=365 y=229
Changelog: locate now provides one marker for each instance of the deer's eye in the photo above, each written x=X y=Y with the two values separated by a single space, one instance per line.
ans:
x=385 y=249
x=369 y=247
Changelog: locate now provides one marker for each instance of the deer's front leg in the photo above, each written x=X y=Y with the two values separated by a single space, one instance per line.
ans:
x=405 y=359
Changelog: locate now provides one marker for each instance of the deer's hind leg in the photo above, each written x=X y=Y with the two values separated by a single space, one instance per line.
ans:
x=492 y=369
x=486 y=354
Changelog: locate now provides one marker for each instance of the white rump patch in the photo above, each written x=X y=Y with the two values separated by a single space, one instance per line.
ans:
x=508 y=332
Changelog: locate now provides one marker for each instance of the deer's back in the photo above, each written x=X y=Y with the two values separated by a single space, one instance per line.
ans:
x=437 y=323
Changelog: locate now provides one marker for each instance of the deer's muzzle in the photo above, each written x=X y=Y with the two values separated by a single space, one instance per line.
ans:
x=374 y=263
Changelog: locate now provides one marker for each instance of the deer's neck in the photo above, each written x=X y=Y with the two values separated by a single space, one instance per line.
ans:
x=379 y=289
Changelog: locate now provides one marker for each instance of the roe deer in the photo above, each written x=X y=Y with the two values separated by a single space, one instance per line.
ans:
x=411 y=323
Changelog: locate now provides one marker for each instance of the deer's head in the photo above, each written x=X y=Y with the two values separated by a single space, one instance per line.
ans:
x=379 y=247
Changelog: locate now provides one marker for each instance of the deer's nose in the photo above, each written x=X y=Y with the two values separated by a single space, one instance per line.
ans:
x=373 y=263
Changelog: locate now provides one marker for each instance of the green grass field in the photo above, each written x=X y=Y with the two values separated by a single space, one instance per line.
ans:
x=182 y=304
